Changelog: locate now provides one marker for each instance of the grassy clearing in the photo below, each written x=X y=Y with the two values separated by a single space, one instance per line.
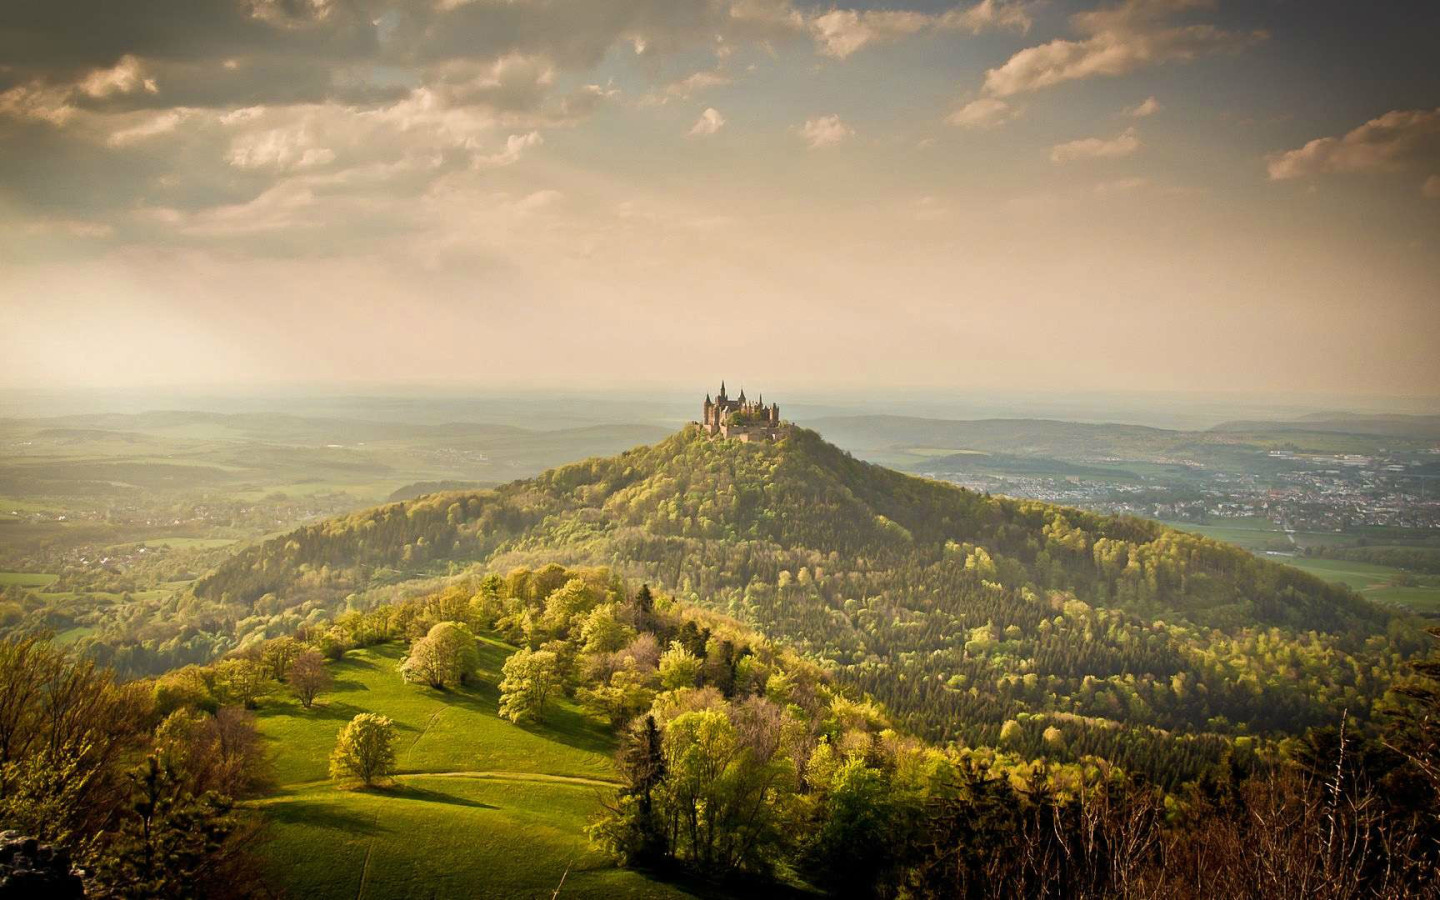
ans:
x=1250 y=532
x=175 y=543
x=1373 y=581
x=27 y=579
x=481 y=807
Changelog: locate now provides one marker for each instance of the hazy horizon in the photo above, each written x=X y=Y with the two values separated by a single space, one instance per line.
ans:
x=676 y=401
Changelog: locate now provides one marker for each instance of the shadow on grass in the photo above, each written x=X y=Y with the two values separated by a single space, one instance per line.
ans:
x=570 y=727
x=349 y=684
x=333 y=709
x=562 y=724
x=404 y=791
x=322 y=815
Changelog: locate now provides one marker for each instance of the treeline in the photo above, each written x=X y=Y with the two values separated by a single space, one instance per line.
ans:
x=1425 y=560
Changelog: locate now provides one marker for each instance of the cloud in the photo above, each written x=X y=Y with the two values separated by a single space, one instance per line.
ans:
x=1116 y=40
x=841 y=32
x=1400 y=140
x=710 y=121
x=696 y=82
x=1123 y=144
x=987 y=112
x=824 y=131
x=151 y=126
x=1430 y=190
x=125 y=77
x=516 y=145
x=1149 y=108
x=989 y=15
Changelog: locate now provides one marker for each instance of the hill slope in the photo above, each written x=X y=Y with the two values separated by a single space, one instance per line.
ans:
x=963 y=612
x=474 y=794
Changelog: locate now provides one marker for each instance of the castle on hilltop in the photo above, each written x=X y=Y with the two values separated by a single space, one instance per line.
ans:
x=741 y=419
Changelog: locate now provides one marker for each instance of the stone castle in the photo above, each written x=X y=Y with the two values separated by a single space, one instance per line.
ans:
x=742 y=419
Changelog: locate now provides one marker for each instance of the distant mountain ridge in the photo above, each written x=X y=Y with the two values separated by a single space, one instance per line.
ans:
x=1384 y=425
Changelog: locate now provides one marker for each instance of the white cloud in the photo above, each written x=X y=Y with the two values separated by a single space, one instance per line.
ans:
x=285 y=148
x=1149 y=108
x=841 y=32
x=125 y=77
x=516 y=146
x=149 y=126
x=987 y=112
x=1396 y=141
x=824 y=131
x=710 y=121
x=988 y=15
x=696 y=82
x=1123 y=144
x=1116 y=40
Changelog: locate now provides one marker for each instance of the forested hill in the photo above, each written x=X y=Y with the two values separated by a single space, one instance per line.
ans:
x=969 y=615
x=803 y=501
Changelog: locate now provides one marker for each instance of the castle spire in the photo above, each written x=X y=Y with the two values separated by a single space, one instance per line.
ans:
x=722 y=388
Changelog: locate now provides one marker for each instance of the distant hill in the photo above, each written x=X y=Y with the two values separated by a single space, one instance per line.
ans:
x=1421 y=427
x=421 y=488
x=1041 y=437
x=959 y=611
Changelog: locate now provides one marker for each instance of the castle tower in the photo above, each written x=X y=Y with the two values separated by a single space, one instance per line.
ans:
x=741 y=419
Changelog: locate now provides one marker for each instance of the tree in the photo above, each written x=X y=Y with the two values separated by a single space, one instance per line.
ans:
x=242 y=682
x=602 y=632
x=308 y=676
x=446 y=656
x=530 y=676
x=679 y=668
x=365 y=749
x=622 y=698
x=855 y=846
x=278 y=654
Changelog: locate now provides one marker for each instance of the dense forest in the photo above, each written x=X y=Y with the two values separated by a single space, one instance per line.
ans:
x=974 y=619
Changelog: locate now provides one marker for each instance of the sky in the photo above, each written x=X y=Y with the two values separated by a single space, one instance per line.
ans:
x=1164 y=195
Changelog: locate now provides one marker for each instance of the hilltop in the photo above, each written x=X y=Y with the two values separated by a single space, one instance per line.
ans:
x=975 y=618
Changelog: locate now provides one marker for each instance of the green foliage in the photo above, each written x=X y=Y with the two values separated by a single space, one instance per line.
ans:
x=531 y=677
x=679 y=668
x=68 y=734
x=365 y=749
x=445 y=657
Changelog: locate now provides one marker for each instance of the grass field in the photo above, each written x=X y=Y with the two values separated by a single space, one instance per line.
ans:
x=27 y=579
x=1373 y=581
x=1370 y=580
x=480 y=808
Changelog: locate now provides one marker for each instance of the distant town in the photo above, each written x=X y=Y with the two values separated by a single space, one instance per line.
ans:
x=1296 y=492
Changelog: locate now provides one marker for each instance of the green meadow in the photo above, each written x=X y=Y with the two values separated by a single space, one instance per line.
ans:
x=473 y=795
x=1375 y=582
x=27 y=579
